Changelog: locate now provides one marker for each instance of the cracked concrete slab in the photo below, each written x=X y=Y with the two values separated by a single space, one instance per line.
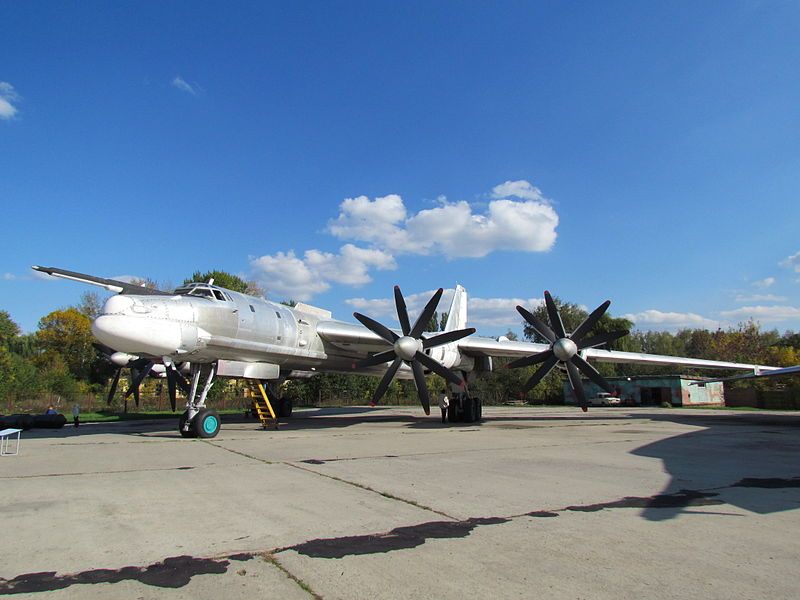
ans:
x=384 y=503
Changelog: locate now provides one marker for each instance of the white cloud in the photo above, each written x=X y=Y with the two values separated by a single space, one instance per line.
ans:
x=384 y=307
x=180 y=83
x=760 y=298
x=9 y=276
x=452 y=229
x=8 y=96
x=764 y=283
x=521 y=189
x=377 y=221
x=492 y=312
x=652 y=318
x=792 y=262
x=499 y=312
x=302 y=278
x=763 y=313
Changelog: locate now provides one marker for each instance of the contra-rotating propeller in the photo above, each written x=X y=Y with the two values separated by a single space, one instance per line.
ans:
x=564 y=348
x=410 y=348
x=140 y=368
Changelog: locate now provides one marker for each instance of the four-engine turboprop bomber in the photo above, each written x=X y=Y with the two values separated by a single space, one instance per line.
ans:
x=222 y=333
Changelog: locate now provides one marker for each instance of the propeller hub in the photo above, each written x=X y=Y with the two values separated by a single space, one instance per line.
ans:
x=407 y=347
x=564 y=349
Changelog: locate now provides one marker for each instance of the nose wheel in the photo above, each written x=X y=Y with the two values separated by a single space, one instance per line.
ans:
x=205 y=424
x=197 y=420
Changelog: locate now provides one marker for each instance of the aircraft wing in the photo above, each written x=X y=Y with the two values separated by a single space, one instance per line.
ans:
x=513 y=349
x=350 y=336
x=112 y=285
x=783 y=371
x=360 y=339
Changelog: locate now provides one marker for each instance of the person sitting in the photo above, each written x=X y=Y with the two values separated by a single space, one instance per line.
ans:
x=51 y=411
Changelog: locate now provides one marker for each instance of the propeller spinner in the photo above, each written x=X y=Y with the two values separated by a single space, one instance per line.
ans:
x=565 y=348
x=410 y=348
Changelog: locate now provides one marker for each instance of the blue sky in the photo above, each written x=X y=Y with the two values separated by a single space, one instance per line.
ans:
x=642 y=152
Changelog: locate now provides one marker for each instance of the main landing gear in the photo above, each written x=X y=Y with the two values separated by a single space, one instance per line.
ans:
x=197 y=420
x=464 y=408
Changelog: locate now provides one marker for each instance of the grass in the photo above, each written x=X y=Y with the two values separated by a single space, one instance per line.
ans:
x=110 y=417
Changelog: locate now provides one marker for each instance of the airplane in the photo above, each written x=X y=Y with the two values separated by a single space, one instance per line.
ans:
x=223 y=333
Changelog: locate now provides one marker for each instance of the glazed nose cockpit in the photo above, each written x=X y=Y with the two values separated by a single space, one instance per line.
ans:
x=150 y=325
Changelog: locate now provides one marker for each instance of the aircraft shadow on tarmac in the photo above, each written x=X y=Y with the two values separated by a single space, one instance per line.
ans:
x=747 y=460
x=751 y=461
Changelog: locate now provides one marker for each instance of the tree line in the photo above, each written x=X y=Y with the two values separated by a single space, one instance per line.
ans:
x=59 y=358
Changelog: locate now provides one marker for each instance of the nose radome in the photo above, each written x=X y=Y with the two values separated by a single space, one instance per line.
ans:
x=137 y=335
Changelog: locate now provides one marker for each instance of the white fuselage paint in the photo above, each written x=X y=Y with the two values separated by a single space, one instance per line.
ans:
x=201 y=329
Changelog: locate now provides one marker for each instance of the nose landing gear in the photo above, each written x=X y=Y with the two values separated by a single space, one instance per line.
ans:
x=197 y=420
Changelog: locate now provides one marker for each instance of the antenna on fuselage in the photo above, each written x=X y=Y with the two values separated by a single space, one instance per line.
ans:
x=211 y=281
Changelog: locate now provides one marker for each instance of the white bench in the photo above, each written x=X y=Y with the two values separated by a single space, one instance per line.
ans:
x=5 y=442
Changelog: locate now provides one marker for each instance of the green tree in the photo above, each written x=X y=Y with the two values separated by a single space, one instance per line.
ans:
x=227 y=280
x=221 y=278
x=573 y=315
x=67 y=334
x=9 y=330
x=90 y=305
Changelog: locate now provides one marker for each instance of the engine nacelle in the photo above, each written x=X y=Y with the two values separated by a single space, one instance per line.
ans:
x=451 y=358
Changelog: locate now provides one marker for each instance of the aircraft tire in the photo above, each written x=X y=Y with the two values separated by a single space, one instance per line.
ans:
x=206 y=423
x=181 y=422
x=286 y=407
x=452 y=413
x=469 y=410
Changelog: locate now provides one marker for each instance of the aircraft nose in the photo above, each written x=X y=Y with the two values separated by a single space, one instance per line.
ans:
x=138 y=335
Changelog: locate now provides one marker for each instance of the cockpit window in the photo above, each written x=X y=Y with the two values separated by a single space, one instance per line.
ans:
x=205 y=292
x=202 y=291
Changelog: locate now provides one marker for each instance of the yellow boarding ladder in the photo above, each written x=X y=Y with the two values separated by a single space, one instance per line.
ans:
x=264 y=410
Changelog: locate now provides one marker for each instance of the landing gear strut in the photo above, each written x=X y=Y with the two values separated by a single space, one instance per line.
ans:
x=464 y=408
x=197 y=420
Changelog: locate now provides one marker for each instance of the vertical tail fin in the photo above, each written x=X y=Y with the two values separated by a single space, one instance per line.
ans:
x=457 y=315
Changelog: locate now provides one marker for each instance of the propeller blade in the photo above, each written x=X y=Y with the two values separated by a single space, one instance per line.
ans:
x=135 y=396
x=575 y=382
x=526 y=361
x=592 y=373
x=422 y=387
x=183 y=385
x=600 y=339
x=555 y=317
x=375 y=359
x=540 y=373
x=590 y=322
x=447 y=337
x=537 y=324
x=402 y=311
x=438 y=368
x=378 y=329
x=137 y=378
x=103 y=349
x=426 y=314
x=113 y=389
x=171 y=387
x=387 y=379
